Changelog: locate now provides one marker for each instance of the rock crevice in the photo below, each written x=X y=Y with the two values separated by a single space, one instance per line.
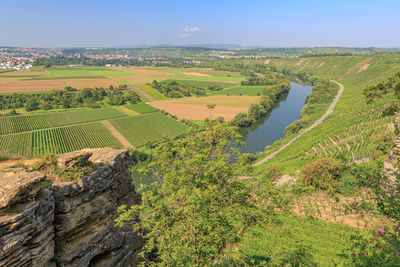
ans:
x=44 y=222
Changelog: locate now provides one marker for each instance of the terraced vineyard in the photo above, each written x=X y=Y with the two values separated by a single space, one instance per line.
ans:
x=355 y=130
x=149 y=127
x=57 y=140
x=18 y=124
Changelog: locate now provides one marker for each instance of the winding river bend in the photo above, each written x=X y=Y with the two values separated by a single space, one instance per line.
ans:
x=266 y=131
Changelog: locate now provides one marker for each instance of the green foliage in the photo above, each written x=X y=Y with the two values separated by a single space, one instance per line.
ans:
x=372 y=93
x=67 y=98
x=241 y=120
x=196 y=208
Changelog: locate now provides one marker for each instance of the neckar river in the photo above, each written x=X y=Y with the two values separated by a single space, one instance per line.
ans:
x=266 y=131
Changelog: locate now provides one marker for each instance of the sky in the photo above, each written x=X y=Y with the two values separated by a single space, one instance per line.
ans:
x=268 y=23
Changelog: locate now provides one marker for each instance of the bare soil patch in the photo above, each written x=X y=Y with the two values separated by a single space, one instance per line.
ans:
x=24 y=72
x=195 y=74
x=197 y=112
x=18 y=85
x=82 y=83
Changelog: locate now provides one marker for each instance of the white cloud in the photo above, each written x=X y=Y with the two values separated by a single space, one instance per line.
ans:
x=191 y=29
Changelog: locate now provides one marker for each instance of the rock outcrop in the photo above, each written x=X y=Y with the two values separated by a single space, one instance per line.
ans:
x=391 y=164
x=48 y=221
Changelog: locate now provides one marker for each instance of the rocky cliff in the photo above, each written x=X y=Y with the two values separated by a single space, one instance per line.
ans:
x=48 y=220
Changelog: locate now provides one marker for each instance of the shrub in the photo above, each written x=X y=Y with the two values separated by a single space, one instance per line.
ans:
x=322 y=173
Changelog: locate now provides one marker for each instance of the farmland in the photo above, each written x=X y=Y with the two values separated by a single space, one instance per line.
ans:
x=139 y=130
x=196 y=107
x=64 y=131
x=56 y=140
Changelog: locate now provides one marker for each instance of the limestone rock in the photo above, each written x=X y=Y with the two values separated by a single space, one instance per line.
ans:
x=71 y=223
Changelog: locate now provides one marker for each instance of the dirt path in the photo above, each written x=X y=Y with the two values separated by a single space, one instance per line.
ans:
x=116 y=134
x=318 y=122
x=142 y=92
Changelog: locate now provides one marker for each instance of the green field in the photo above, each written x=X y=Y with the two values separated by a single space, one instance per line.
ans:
x=23 y=123
x=241 y=90
x=139 y=130
x=152 y=92
x=56 y=141
x=205 y=84
x=142 y=108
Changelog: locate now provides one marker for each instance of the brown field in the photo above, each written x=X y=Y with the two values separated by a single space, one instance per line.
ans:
x=195 y=108
x=195 y=74
x=24 y=72
x=18 y=85
x=83 y=83
x=141 y=71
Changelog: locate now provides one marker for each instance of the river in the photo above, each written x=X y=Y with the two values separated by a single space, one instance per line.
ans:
x=271 y=128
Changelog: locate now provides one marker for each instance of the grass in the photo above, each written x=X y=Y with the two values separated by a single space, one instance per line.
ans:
x=284 y=240
x=205 y=84
x=139 y=130
x=152 y=92
x=141 y=108
x=241 y=90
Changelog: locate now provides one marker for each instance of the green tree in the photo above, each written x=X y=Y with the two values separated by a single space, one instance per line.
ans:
x=196 y=207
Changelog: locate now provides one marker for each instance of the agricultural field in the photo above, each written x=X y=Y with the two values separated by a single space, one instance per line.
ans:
x=139 y=130
x=241 y=90
x=141 y=108
x=82 y=77
x=56 y=141
x=36 y=121
x=195 y=108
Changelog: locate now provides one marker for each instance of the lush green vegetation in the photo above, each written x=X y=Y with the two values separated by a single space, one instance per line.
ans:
x=69 y=98
x=270 y=98
x=176 y=89
x=139 y=130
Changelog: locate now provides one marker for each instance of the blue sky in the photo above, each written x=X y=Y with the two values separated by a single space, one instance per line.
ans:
x=270 y=23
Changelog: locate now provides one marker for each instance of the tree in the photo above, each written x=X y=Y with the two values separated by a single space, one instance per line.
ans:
x=241 y=120
x=32 y=104
x=196 y=207
x=322 y=173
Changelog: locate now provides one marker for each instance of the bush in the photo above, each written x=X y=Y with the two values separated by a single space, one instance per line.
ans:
x=322 y=173
x=241 y=120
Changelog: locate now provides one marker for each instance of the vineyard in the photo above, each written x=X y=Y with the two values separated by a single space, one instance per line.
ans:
x=56 y=140
x=139 y=130
x=356 y=130
x=18 y=124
